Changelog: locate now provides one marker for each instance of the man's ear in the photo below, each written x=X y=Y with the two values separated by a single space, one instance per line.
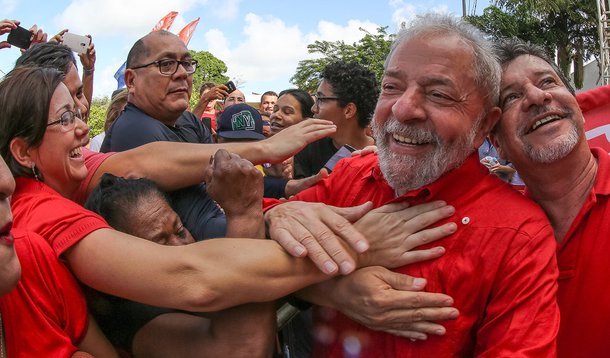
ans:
x=21 y=152
x=496 y=143
x=130 y=76
x=350 y=110
x=487 y=124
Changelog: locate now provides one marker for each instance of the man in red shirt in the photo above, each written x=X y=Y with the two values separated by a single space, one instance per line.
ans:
x=541 y=132
x=437 y=105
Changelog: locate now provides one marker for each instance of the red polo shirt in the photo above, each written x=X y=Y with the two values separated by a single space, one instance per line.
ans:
x=499 y=267
x=584 y=273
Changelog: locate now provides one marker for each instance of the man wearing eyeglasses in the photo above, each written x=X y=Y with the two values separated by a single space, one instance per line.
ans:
x=346 y=95
x=159 y=80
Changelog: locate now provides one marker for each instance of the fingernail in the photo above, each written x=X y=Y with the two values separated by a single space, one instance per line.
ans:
x=440 y=331
x=362 y=246
x=299 y=250
x=330 y=267
x=419 y=282
x=454 y=314
x=346 y=267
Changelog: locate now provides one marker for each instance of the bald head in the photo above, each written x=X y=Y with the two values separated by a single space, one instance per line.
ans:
x=141 y=49
x=234 y=97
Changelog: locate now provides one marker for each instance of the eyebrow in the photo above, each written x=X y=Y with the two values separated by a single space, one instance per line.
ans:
x=62 y=109
x=536 y=74
x=427 y=80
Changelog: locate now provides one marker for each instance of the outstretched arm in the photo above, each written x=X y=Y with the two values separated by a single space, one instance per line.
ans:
x=177 y=165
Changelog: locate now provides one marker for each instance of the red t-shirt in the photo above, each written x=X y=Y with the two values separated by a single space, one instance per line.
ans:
x=62 y=222
x=584 y=273
x=46 y=314
x=93 y=160
x=499 y=267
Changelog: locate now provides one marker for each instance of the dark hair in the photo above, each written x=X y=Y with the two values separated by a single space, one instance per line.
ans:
x=49 y=54
x=25 y=100
x=140 y=49
x=353 y=83
x=114 y=198
x=205 y=86
x=115 y=107
x=268 y=93
x=304 y=99
x=511 y=48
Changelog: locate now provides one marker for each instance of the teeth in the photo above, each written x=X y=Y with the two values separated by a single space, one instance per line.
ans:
x=76 y=152
x=405 y=140
x=544 y=121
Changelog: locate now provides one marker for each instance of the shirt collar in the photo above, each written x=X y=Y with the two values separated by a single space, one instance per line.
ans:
x=449 y=187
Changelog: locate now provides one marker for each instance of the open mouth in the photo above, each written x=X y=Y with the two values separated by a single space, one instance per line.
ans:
x=6 y=238
x=76 y=152
x=543 y=121
x=406 y=140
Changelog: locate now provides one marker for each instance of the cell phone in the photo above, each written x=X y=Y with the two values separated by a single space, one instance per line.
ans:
x=20 y=37
x=343 y=152
x=76 y=43
x=231 y=86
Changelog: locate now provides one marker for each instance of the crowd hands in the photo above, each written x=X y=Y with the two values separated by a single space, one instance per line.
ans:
x=354 y=259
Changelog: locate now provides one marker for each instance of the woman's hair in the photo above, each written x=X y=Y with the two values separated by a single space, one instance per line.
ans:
x=117 y=103
x=25 y=100
x=304 y=99
x=114 y=198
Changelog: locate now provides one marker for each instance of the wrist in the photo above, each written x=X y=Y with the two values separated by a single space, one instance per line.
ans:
x=88 y=71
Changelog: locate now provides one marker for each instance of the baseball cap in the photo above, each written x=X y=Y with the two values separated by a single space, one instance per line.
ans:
x=240 y=121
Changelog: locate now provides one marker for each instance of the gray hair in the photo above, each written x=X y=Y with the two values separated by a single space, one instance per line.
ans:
x=487 y=70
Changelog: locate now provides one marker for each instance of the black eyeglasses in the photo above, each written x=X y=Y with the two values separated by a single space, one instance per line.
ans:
x=168 y=67
x=67 y=120
x=324 y=98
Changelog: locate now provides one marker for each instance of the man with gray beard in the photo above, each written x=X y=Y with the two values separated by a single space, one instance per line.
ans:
x=437 y=105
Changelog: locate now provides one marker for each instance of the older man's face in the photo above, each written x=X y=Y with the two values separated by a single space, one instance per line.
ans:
x=541 y=121
x=234 y=97
x=429 y=112
x=161 y=96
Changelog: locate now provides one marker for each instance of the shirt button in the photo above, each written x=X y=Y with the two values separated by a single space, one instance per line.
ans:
x=465 y=220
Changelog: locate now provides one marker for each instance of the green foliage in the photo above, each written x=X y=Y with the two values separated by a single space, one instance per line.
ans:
x=567 y=29
x=370 y=51
x=209 y=69
x=97 y=115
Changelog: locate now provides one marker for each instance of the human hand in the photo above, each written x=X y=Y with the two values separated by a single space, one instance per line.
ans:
x=394 y=230
x=387 y=301
x=6 y=26
x=295 y=186
x=291 y=140
x=318 y=231
x=280 y=170
x=39 y=36
x=88 y=58
x=234 y=183
x=369 y=149
x=59 y=37
x=216 y=92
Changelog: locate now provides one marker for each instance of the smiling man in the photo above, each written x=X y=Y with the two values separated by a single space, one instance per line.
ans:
x=159 y=79
x=542 y=132
x=436 y=106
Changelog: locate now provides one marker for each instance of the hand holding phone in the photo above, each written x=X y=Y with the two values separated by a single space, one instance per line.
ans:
x=20 y=37
x=230 y=86
x=76 y=43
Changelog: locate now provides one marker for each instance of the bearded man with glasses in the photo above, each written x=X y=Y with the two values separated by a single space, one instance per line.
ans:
x=159 y=80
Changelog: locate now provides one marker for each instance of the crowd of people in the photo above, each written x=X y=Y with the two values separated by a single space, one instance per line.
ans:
x=179 y=231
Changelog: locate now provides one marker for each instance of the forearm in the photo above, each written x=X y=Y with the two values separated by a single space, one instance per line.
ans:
x=88 y=85
x=200 y=107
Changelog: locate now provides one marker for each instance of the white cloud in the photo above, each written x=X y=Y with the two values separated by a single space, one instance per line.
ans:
x=225 y=9
x=116 y=17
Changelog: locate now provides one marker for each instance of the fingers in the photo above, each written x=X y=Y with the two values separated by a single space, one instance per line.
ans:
x=411 y=257
x=4 y=44
x=59 y=37
x=429 y=235
x=371 y=149
x=7 y=25
x=355 y=212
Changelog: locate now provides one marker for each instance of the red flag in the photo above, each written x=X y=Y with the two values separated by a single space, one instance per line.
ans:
x=187 y=32
x=595 y=107
x=166 y=22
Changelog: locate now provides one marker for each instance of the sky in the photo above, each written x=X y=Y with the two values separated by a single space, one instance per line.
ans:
x=261 y=41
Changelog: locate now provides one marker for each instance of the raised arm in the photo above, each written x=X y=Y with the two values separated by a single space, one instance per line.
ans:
x=177 y=165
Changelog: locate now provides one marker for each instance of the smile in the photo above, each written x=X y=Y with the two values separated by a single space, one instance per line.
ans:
x=543 y=121
x=76 y=152
x=405 y=140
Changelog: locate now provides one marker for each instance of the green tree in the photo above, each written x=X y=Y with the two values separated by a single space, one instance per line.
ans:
x=97 y=115
x=566 y=28
x=370 y=51
x=209 y=69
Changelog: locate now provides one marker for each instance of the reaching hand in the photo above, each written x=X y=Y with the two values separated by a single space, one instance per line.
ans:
x=59 y=37
x=295 y=186
x=87 y=59
x=234 y=183
x=39 y=35
x=387 y=301
x=294 y=138
x=6 y=26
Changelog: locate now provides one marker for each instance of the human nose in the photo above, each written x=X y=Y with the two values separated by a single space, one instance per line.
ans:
x=7 y=183
x=535 y=96
x=81 y=128
x=83 y=106
x=180 y=71
x=409 y=106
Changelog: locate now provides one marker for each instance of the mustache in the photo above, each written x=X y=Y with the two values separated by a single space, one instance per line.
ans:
x=416 y=132
x=538 y=110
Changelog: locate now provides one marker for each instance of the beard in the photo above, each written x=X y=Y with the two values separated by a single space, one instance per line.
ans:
x=556 y=149
x=406 y=172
